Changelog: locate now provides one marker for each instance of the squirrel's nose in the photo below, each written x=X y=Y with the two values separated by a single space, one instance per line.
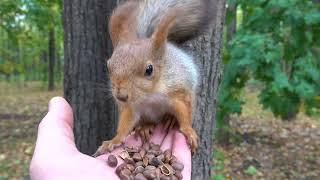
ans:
x=122 y=98
x=122 y=95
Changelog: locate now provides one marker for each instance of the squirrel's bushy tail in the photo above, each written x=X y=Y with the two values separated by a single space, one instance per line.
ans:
x=192 y=17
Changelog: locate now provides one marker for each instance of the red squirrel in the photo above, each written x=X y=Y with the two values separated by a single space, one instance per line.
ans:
x=151 y=76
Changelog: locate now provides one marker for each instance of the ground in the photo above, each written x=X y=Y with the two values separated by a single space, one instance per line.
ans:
x=21 y=109
x=263 y=147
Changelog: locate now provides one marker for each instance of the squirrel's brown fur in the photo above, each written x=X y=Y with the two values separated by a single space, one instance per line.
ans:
x=150 y=76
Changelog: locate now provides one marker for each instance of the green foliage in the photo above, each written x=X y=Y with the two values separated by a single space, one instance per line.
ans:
x=218 y=177
x=8 y=67
x=278 y=45
x=24 y=29
x=218 y=157
x=251 y=170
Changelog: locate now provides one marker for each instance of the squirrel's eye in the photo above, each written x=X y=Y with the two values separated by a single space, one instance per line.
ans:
x=149 y=70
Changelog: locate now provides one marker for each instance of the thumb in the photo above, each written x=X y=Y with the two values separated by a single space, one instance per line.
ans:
x=55 y=140
x=55 y=131
x=61 y=109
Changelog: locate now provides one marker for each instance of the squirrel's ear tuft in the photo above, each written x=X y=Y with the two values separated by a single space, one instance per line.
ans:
x=120 y=23
x=161 y=31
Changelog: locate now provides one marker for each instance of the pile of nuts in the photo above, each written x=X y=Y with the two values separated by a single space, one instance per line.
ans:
x=147 y=162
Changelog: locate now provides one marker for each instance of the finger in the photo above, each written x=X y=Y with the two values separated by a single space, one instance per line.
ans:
x=168 y=140
x=183 y=153
x=176 y=141
x=61 y=109
x=131 y=140
x=55 y=134
x=158 y=134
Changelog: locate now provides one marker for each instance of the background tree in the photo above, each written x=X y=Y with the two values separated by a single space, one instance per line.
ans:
x=44 y=13
x=25 y=27
x=86 y=47
x=223 y=123
x=231 y=19
x=207 y=53
x=52 y=51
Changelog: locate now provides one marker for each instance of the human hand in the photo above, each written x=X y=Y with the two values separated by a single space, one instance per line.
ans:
x=56 y=156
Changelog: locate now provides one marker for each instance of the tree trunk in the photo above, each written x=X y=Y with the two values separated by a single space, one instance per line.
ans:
x=44 y=66
x=232 y=25
x=58 y=70
x=207 y=52
x=87 y=45
x=52 y=54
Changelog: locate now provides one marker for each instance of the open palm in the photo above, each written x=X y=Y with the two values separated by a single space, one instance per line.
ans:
x=56 y=156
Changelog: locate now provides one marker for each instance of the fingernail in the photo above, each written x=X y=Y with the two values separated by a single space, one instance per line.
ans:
x=51 y=103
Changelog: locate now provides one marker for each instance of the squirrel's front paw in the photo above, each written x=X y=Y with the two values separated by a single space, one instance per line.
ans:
x=192 y=138
x=107 y=146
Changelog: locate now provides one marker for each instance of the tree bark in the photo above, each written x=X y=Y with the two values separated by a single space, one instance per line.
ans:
x=207 y=53
x=52 y=53
x=58 y=70
x=87 y=46
x=44 y=67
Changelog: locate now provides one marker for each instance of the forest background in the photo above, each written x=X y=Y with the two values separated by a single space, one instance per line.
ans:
x=268 y=113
